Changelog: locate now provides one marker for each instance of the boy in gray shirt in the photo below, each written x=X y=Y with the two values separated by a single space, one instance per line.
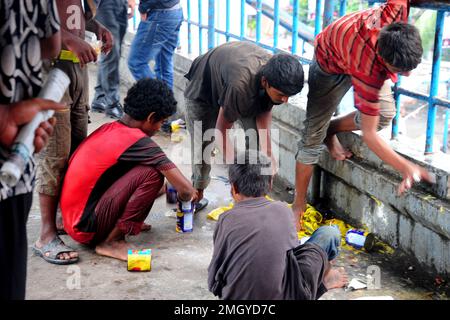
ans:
x=256 y=243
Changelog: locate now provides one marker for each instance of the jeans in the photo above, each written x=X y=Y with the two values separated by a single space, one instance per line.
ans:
x=155 y=42
x=329 y=239
x=113 y=15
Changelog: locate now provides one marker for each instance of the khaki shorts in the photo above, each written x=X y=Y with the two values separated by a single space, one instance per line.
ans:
x=325 y=93
x=69 y=131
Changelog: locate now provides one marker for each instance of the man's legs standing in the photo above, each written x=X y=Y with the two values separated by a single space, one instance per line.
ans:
x=13 y=246
x=325 y=93
x=123 y=208
x=113 y=15
x=200 y=117
x=159 y=32
x=70 y=130
x=164 y=60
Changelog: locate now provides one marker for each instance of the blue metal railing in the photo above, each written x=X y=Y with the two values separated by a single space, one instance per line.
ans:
x=271 y=9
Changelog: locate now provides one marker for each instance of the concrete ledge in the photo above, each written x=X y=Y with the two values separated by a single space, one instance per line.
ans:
x=363 y=189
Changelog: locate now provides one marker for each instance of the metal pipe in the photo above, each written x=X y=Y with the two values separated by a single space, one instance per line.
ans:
x=434 y=81
x=445 y=139
x=258 y=20
x=317 y=26
x=242 y=19
x=200 y=38
x=295 y=27
x=328 y=13
x=227 y=23
x=188 y=8
x=276 y=22
x=343 y=8
x=211 y=23
x=396 y=120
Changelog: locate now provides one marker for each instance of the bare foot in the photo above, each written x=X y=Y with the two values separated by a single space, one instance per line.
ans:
x=335 y=278
x=336 y=149
x=146 y=227
x=114 y=249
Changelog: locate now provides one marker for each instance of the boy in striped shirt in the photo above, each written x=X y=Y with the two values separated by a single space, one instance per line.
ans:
x=363 y=50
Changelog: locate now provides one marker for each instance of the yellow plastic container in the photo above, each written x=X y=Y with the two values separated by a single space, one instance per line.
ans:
x=140 y=260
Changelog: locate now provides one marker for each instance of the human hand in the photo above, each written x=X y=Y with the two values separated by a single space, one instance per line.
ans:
x=143 y=16
x=106 y=37
x=83 y=50
x=198 y=195
x=131 y=6
x=412 y=173
x=21 y=113
x=299 y=212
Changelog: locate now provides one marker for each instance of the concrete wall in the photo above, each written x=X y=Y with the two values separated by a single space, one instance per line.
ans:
x=363 y=189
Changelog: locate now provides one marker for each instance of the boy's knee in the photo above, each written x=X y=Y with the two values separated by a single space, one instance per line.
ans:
x=331 y=234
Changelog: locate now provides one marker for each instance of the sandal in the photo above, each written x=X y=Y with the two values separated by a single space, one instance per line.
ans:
x=201 y=205
x=55 y=247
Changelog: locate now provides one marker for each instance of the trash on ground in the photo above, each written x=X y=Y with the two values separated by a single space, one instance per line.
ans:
x=356 y=284
x=140 y=260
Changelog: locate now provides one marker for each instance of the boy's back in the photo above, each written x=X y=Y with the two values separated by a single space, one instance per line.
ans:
x=250 y=244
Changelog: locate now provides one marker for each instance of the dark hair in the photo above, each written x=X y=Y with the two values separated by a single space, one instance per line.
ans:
x=247 y=175
x=399 y=44
x=147 y=96
x=284 y=72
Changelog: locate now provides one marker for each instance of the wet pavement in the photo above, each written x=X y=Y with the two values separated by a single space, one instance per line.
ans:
x=180 y=261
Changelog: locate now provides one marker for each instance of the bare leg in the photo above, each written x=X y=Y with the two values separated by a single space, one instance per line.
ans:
x=114 y=246
x=335 y=277
x=343 y=124
x=48 y=206
x=303 y=173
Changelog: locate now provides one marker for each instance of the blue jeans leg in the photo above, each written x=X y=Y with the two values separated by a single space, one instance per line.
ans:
x=155 y=41
x=113 y=15
x=329 y=239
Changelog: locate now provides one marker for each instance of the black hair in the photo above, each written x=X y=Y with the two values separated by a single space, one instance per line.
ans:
x=249 y=175
x=284 y=72
x=399 y=44
x=147 y=96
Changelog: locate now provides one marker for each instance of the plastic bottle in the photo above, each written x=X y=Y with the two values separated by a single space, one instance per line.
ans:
x=23 y=148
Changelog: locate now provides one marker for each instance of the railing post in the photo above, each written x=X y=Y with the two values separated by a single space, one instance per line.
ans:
x=276 y=22
x=328 y=13
x=242 y=19
x=295 y=26
x=445 y=139
x=434 y=81
x=343 y=8
x=258 y=20
x=396 y=120
x=200 y=33
x=211 y=23
x=317 y=27
x=189 y=26
x=227 y=26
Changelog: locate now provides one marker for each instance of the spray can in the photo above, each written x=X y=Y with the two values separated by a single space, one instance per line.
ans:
x=185 y=215
x=360 y=239
x=23 y=148
x=171 y=193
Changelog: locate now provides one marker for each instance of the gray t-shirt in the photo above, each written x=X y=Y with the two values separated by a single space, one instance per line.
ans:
x=250 y=245
x=227 y=76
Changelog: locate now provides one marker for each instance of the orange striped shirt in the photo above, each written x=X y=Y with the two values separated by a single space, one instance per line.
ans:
x=349 y=46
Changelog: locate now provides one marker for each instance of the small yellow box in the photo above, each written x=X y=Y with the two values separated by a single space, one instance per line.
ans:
x=140 y=260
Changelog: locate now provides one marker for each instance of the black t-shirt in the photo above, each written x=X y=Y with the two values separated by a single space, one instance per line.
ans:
x=227 y=76
x=22 y=25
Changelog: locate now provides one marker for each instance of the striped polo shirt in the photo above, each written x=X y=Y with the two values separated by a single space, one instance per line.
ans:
x=349 y=46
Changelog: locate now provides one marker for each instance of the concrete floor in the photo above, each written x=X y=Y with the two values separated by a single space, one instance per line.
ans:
x=180 y=261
